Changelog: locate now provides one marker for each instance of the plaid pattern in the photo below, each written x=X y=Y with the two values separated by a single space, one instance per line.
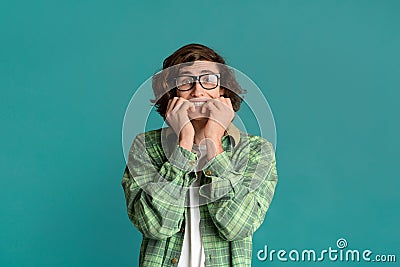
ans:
x=238 y=185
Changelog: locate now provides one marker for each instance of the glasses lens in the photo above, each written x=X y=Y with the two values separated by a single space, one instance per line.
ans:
x=184 y=82
x=209 y=81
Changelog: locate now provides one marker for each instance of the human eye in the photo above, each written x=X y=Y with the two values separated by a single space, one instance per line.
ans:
x=209 y=78
x=184 y=83
x=184 y=80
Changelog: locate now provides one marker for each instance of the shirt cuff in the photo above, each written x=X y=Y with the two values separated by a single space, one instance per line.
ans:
x=221 y=166
x=224 y=178
x=183 y=159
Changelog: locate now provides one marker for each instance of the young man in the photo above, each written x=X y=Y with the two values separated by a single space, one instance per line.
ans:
x=198 y=189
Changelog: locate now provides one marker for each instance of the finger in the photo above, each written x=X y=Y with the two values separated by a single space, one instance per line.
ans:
x=206 y=106
x=203 y=108
x=226 y=101
x=178 y=103
x=171 y=104
x=229 y=102
x=187 y=105
x=223 y=100
x=168 y=111
x=192 y=107
x=217 y=103
x=212 y=106
x=184 y=104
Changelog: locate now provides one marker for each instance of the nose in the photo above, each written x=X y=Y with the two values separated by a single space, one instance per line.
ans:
x=197 y=90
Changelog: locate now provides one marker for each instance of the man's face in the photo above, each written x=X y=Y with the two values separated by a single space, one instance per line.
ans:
x=198 y=92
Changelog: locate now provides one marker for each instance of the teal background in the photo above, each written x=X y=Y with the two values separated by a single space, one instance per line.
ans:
x=329 y=69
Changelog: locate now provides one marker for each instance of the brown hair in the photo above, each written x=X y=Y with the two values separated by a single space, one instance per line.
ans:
x=164 y=88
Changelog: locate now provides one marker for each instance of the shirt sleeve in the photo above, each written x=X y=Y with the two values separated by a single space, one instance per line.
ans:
x=155 y=193
x=240 y=195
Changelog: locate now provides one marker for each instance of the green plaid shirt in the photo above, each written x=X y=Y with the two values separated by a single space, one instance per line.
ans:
x=237 y=187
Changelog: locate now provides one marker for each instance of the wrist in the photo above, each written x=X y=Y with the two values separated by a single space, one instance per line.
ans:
x=214 y=147
x=214 y=137
x=186 y=143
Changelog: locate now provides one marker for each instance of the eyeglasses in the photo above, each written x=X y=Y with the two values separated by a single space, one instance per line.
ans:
x=207 y=81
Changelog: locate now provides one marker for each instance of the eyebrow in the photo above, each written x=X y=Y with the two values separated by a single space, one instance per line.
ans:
x=203 y=71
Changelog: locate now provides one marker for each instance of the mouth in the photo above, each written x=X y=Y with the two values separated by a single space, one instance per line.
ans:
x=199 y=101
x=199 y=104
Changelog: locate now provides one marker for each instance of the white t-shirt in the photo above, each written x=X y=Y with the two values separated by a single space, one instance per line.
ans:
x=192 y=249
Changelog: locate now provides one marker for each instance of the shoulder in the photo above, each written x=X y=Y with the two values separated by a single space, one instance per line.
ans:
x=254 y=140
x=255 y=145
x=150 y=138
x=153 y=143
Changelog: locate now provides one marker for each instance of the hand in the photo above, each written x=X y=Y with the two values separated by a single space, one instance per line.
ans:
x=177 y=117
x=221 y=115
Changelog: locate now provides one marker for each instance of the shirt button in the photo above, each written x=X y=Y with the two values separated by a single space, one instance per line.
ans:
x=208 y=172
x=182 y=229
x=192 y=162
x=174 y=261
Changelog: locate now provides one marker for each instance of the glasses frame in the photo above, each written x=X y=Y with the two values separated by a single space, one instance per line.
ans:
x=197 y=78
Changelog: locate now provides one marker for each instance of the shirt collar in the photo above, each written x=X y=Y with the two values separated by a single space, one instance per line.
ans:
x=233 y=131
